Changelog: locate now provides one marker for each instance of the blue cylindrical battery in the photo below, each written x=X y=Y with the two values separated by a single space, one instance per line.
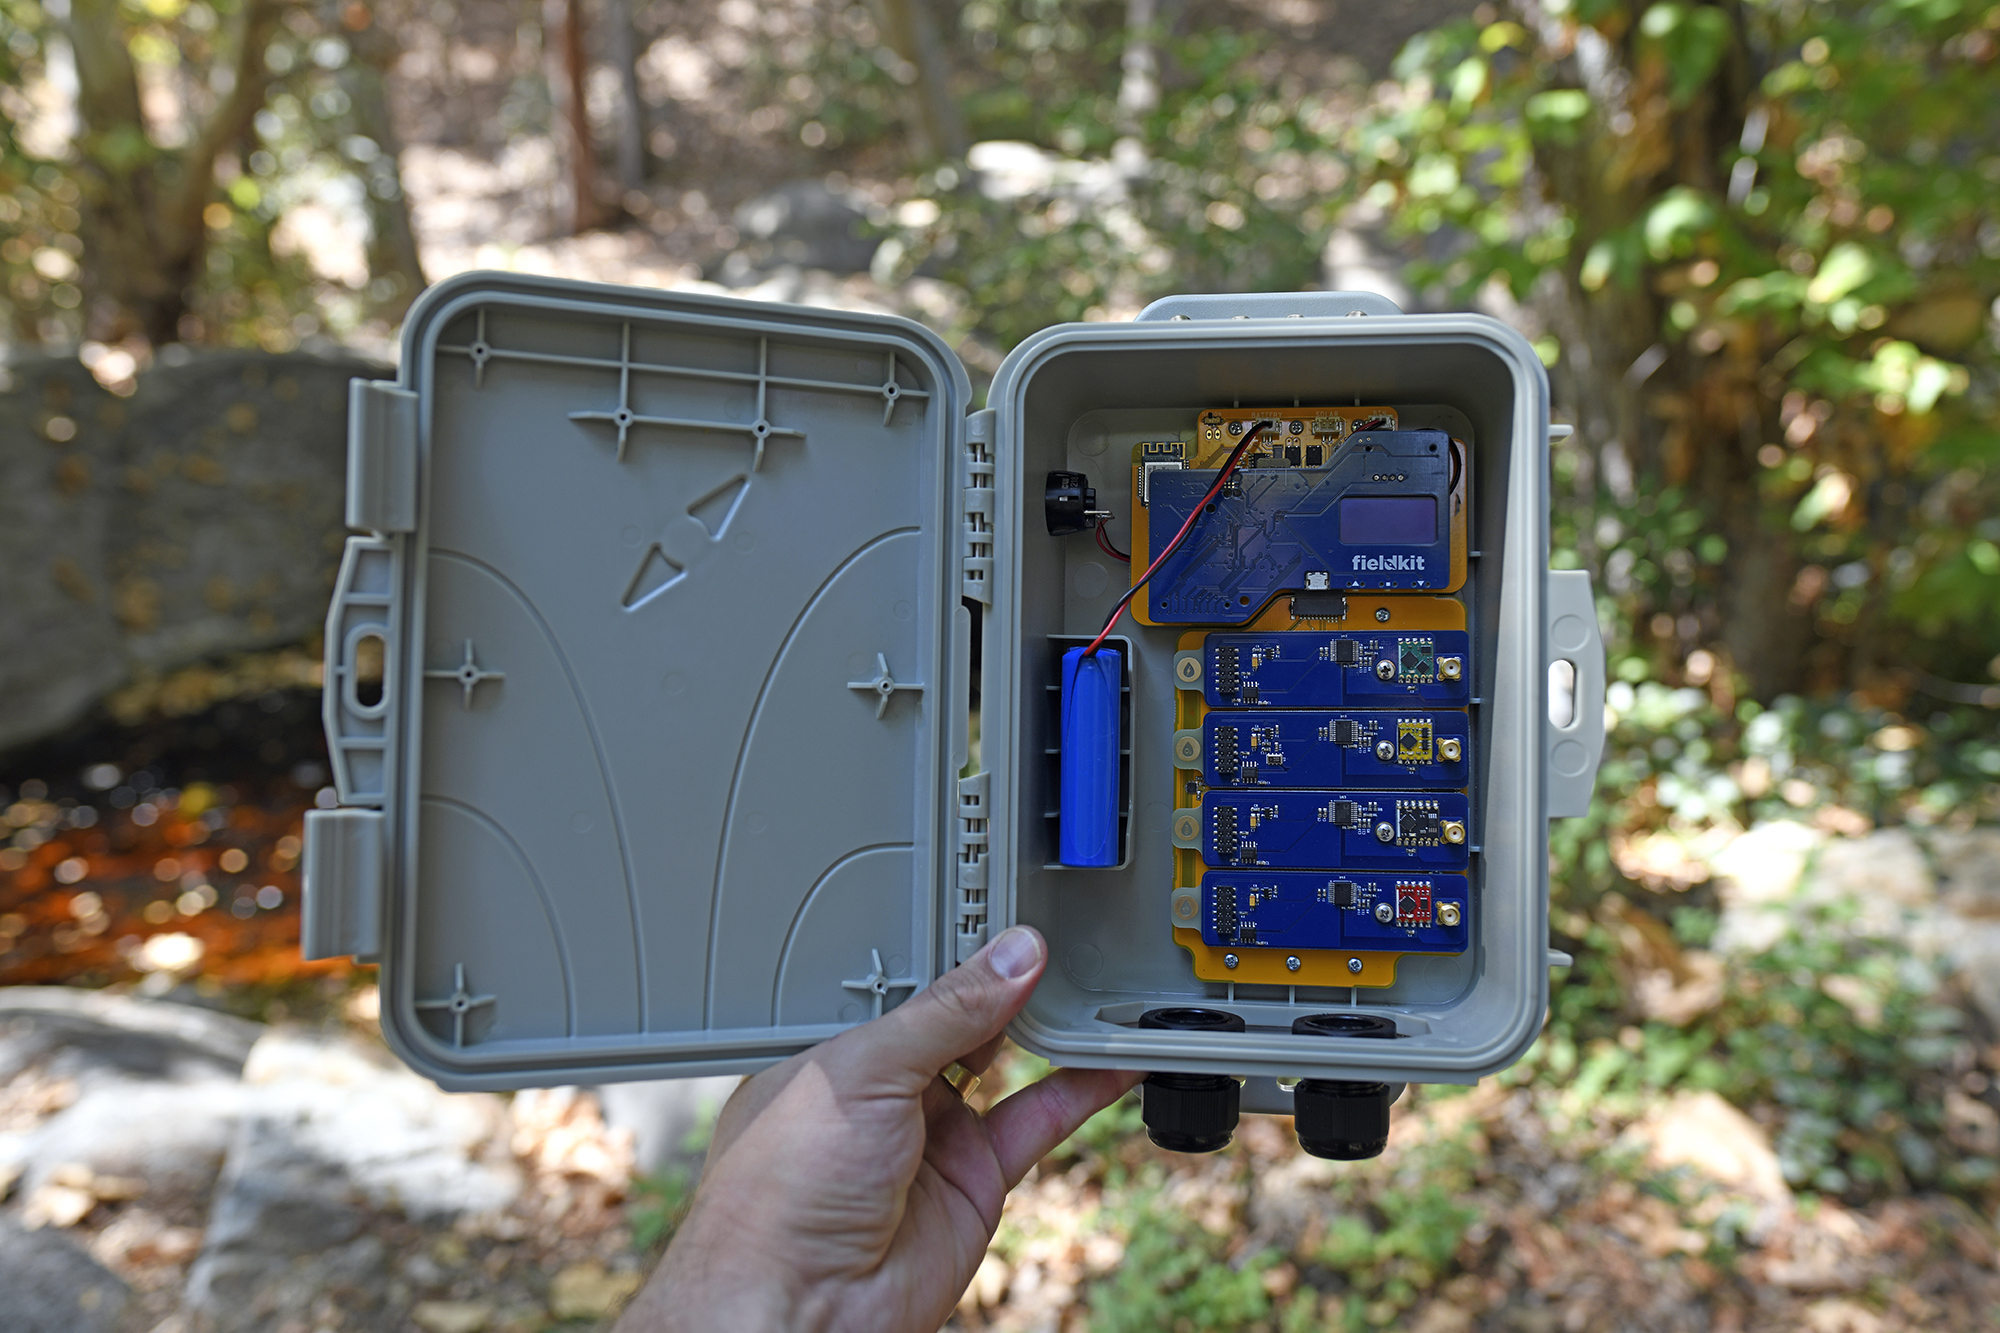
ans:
x=1089 y=800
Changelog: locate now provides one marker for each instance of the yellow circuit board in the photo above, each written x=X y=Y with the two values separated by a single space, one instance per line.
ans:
x=1267 y=967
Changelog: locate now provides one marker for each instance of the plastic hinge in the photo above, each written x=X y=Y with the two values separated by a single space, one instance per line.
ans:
x=1573 y=750
x=342 y=907
x=977 y=528
x=381 y=457
x=366 y=594
x=972 y=852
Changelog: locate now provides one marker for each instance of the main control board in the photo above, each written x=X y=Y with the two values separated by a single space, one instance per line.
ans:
x=1325 y=745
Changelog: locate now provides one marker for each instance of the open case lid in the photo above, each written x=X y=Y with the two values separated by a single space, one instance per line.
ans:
x=660 y=775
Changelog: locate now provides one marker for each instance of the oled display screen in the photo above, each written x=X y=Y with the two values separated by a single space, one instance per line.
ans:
x=1388 y=520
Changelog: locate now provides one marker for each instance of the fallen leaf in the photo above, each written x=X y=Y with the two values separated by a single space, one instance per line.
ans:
x=452 y=1316
x=587 y=1291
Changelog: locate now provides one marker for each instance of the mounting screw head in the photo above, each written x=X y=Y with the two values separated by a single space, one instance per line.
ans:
x=1354 y=964
x=1385 y=670
x=1385 y=751
x=1382 y=614
x=1229 y=960
x=1385 y=913
x=1188 y=670
x=1292 y=963
x=1385 y=832
x=1187 y=749
x=1448 y=913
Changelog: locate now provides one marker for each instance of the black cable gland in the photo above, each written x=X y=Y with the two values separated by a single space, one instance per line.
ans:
x=1343 y=1120
x=1191 y=1112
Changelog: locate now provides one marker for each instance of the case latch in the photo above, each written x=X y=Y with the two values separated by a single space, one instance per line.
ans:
x=342 y=905
x=381 y=457
x=977 y=556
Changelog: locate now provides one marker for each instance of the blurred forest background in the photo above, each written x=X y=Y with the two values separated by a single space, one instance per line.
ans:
x=1756 y=242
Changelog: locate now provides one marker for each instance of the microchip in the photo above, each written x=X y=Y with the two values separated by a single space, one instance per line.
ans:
x=1346 y=731
x=1413 y=741
x=1292 y=454
x=1345 y=814
x=1418 y=823
x=1413 y=904
x=1315 y=455
x=1248 y=693
x=1342 y=891
x=1346 y=652
x=1416 y=659
x=1246 y=935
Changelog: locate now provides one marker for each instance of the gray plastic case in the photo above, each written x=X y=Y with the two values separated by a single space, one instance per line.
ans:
x=666 y=772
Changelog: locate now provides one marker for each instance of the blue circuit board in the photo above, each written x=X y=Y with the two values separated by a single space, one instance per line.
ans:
x=1377 y=516
x=1313 y=669
x=1304 y=909
x=1300 y=748
x=1325 y=830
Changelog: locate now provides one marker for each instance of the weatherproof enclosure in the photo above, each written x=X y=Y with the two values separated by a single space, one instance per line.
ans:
x=650 y=688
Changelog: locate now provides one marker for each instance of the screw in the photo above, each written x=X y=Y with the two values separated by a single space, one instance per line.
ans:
x=1354 y=964
x=1189 y=670
x=1385 y=832
x=1449 y=751
x=1448 y=913
x=1382 y=614
x=1384 y=913
x=1385 y=751
x=1229 y=960
x=1385 y=670
x=1292 y=963
x=1187 y=748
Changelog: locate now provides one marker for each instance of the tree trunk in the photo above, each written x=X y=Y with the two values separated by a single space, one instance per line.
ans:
x=145 y=235
x=937 y=129
x=580 y=208
x=629 y=148
x=393 y=257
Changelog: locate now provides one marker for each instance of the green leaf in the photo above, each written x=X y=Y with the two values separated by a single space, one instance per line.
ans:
x=1672 y=223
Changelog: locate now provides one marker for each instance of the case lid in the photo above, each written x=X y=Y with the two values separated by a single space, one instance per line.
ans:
x=674 y=702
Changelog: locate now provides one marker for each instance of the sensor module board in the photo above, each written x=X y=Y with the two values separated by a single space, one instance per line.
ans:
x=1297 y=909
x=1357 y=669
x=1302 y=748
x=1332 y=830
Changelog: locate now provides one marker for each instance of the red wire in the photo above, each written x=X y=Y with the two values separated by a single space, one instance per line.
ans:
x=1104 y=545
x=1222 y=477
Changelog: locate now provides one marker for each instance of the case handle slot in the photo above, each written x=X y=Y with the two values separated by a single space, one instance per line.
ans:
x=1574 y=728
x=359 y=720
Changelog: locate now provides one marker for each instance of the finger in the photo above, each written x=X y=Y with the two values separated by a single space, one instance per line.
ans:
x=961 y=1011
x=1027 y=1126
x=980 y=1059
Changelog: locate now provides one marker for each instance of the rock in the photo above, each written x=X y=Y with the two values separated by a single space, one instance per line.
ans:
x=805 y=224
x=400 y=1142
x=201 y=516
x=452 y=1316
x=49 y=1285
x=589 y=1291
x=151 y=1096
x=1702 y=1132
x=1968 y=866
x=669 y=1119
x=1755 y=874
x=332 y=1142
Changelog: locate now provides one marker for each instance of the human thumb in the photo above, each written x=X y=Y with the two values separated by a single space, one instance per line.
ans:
x=961 y=1010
